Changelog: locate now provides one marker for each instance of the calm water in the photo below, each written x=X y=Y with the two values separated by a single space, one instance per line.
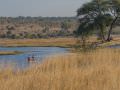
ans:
x=115 y=46
x=20 y=61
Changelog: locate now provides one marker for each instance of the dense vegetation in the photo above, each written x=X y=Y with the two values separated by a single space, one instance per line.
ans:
x=100 y=16
x=36 y=27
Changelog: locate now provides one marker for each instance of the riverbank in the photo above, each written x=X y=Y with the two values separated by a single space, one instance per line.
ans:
x=52 y=42
x=98 y=70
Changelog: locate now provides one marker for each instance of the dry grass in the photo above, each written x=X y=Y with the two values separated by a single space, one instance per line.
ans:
x=60 y=42
x=115 y=41
x=10 y=52
x=96 y=70
x=54 y=42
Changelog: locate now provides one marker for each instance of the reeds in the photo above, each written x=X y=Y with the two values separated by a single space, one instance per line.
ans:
x=94 y=70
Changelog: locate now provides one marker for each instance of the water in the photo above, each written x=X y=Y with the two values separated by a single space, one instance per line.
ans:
x=20 y=60
x=115 y=46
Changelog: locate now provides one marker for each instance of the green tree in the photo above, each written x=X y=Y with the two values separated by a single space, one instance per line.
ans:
x=101 y=22
x=97 y=12
x=84 y=30
x=114 y=8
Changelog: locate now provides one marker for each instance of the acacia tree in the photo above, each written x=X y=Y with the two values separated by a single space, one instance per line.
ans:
x=101 y=23
x=98 y=11
x=114 y=8
x=95 y=11
x=84 y=30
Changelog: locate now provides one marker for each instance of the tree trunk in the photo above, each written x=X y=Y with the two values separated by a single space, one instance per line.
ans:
x=103 y=36
x=110 y=30
x=102 y=33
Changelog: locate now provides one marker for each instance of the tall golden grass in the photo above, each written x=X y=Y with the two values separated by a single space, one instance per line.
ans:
x=54 y=42
x=60 y=42
x=95 y=70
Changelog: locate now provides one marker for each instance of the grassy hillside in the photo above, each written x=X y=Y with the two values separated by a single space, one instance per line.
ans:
x=96 y=70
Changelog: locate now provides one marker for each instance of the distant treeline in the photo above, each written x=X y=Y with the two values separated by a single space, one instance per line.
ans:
x=37 y=27
x=28 y=19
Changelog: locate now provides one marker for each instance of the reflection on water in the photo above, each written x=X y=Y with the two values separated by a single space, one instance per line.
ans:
x=20 y=60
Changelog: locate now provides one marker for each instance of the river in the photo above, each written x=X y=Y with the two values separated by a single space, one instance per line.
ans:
x=20 y=60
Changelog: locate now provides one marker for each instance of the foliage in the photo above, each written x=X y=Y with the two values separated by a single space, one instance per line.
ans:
x=97 y=14
x=30 y=27
x=114 y=7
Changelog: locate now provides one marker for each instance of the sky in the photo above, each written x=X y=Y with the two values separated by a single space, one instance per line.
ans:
x=50 y=8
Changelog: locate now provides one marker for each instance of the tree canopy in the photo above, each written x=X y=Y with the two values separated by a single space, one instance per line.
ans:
x=98 y=15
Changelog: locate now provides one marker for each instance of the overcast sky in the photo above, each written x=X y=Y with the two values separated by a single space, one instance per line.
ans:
x=40 y=7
